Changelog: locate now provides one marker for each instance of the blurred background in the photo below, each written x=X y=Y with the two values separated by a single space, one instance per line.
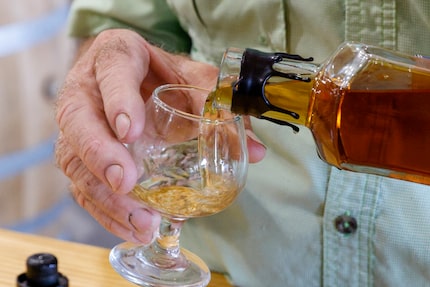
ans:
x=35 y=54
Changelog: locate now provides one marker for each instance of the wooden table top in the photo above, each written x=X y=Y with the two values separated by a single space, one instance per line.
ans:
x=84 y=265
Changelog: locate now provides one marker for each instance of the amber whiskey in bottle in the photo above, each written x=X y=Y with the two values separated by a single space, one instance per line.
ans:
x=368 y=108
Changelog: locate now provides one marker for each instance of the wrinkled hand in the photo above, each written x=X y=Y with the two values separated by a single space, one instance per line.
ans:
x=100 y=107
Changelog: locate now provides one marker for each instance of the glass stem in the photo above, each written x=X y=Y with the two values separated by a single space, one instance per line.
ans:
x=166 y=245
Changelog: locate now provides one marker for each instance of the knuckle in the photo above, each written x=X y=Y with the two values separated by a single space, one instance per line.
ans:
x=65 y=159
x=64 y=107
x=83 y=199
x=65 y=114
x=73 y=167
x=89 y=148
x=77 y=195
x=109 y=223
x=60 y=150
x=109 y=50
x=100 y=204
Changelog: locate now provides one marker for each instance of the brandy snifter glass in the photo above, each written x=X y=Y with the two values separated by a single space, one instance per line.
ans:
x=190 y=164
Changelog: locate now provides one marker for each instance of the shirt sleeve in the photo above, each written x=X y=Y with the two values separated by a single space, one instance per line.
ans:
x=153 y=19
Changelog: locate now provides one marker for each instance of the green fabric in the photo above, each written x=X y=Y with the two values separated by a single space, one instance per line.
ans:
x=152 y=19
x=216 y=25
x=280 y=232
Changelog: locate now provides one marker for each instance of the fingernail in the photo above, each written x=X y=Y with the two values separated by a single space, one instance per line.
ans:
x=114 y=175
x=252 y=136
x=122 y=125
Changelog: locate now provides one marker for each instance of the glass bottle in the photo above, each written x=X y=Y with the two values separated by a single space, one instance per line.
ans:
x=368 y=108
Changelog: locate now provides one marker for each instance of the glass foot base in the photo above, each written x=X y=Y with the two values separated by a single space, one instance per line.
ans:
x=144 y=266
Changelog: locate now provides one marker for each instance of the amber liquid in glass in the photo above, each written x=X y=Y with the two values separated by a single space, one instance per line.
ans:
x=186 y=202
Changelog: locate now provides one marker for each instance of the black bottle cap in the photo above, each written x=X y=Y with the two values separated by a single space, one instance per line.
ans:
x=248 y=92
x=42 y=271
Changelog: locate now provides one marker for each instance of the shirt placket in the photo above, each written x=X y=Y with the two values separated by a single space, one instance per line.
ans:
x=348 y=229
x=371 y=21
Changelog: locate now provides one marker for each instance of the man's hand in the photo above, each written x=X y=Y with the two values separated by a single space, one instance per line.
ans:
x=100 y=107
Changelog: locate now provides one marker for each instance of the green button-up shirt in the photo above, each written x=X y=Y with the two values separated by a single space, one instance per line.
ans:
x=281 y=231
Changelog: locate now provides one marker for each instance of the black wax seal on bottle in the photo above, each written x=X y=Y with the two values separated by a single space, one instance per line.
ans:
x=42 y=271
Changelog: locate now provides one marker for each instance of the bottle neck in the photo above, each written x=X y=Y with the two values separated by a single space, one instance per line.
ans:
x=272 y=86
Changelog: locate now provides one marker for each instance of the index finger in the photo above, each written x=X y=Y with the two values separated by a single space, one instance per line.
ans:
x=81 y=119
x=121 y=63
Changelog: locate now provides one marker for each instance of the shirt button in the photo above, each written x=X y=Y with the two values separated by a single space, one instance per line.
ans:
x=345 y=223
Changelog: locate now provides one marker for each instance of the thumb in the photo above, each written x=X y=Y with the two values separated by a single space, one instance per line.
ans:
x=256 y=148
